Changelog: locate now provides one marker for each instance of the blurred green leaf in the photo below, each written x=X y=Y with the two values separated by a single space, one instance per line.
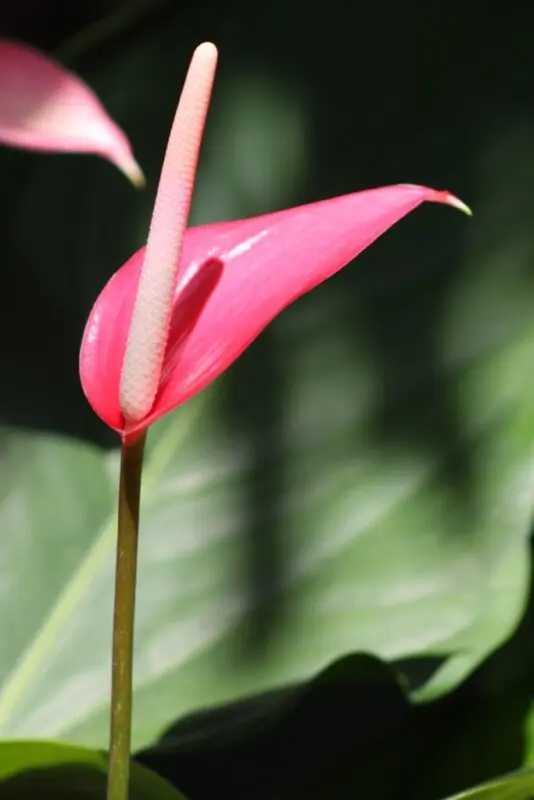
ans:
x=342 y=588
x=518 y=786
x=54 y=771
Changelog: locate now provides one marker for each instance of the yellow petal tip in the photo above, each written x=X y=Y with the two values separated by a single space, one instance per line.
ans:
x=133 y=172
x=455 y=202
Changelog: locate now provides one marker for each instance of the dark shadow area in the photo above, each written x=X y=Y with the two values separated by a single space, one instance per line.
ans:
x=254 y=408
x=46 y=24
x=65 y=782
x=418 y=670
x=275 y=745
x=71 y=781
x=194 y=297
x=39 y=358
x=343 y=737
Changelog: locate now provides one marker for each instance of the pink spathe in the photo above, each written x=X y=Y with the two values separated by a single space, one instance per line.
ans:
x=234 y=279
x=45 y=107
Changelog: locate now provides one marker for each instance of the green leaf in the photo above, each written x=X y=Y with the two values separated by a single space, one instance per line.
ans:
x=517 y=786
x=361 y=480
x=64 y=772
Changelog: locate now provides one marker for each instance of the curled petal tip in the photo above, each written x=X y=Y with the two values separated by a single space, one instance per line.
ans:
x=450 y=199
x=133 y=172
x=443 y=196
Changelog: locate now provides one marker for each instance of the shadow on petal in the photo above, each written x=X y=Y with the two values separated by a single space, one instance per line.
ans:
x=186 y=311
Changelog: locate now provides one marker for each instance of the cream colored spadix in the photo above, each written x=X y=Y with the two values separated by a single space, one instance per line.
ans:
x=147 y=338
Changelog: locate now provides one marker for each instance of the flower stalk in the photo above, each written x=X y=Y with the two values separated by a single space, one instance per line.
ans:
x=124 y=615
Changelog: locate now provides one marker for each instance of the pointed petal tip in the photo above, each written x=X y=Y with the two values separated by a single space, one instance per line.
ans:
x=133 y=172
x=451 y=200
x=441 y=196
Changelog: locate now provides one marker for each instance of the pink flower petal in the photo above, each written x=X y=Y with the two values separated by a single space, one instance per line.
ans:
x=45 y=107
x=235 y=277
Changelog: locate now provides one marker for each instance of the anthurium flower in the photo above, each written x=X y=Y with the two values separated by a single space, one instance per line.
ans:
x=225 y=281
x=45 y=107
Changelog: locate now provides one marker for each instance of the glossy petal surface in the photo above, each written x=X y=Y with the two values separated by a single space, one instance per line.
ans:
x=45 y=107
x=234 y=279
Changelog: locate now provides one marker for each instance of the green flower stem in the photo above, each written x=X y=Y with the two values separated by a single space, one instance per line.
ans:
x=123 y=622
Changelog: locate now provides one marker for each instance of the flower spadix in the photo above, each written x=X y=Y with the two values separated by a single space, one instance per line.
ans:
x=45 y=107
x=184 y=308
x=149 y=326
